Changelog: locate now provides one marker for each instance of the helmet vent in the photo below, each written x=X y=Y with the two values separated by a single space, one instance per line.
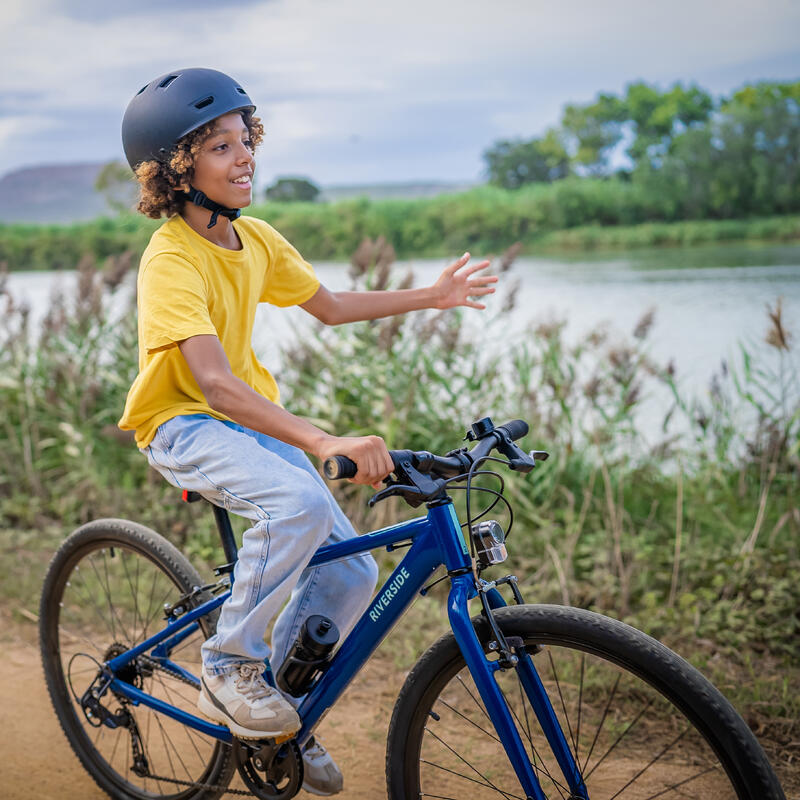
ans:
x=143 y=88
x=167 y=81
x=240 y=90
x=206 y=102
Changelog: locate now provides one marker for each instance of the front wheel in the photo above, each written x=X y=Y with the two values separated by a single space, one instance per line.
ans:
x=640 y=721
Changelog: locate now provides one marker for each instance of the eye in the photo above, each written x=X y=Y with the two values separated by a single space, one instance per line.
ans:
x=220 y=146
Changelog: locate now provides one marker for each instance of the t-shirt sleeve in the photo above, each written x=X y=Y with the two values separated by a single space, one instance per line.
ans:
x=289 y=279
x=173 y=302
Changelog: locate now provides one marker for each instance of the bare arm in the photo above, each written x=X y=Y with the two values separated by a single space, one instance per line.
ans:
x=454 y=287
x=232 y=397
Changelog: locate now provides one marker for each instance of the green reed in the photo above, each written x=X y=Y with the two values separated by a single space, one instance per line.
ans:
x=692 y=537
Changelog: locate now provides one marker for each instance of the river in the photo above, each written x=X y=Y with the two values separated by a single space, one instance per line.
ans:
x=707 y=300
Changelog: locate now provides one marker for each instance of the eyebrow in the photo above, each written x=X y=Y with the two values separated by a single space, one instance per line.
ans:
x=223 y=131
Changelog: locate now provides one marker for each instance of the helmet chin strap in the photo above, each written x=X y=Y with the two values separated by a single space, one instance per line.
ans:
x=200 y=199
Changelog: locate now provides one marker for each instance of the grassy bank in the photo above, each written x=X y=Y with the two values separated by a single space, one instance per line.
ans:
x=694 y=538
x=568 y=215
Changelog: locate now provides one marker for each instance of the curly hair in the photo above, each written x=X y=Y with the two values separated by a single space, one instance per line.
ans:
x=162 y=185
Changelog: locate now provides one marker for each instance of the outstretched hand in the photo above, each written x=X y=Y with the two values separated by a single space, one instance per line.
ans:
x=456 y=286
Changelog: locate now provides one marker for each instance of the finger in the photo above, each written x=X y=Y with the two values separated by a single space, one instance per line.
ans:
x=478 y=291
x=456 y=265
x=479 y=306
x=476 y=267
x=481 y=279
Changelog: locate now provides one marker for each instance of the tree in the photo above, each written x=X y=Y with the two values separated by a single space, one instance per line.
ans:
x=512 y=163
x=593 y=131
x=117 y=184
x=293 y=190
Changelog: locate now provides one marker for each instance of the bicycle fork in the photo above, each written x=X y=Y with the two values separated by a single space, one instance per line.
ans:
x=483 y=673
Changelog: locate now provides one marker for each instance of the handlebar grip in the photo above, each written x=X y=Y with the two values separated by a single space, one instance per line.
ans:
x=339 y=467
x=516 y=428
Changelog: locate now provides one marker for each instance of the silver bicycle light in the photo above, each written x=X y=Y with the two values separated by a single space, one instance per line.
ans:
x=489 y=540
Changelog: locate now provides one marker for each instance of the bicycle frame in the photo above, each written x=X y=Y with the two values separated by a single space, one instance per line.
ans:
x=435 y=540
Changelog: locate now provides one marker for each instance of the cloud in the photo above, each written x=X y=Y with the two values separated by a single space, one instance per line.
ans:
x=427 y=72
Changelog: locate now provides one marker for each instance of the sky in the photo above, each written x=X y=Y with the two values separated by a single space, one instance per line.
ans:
x=359 y=91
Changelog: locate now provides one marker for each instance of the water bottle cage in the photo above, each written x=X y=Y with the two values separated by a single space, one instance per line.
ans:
x=314 y=669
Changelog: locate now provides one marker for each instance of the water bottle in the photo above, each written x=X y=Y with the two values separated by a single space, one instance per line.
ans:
x=308 y=656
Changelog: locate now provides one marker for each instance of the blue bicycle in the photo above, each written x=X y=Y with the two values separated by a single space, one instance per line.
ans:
x=518 y=701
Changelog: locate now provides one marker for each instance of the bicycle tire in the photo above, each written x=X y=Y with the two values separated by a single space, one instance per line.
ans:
x=715 y=756
x=83 y=617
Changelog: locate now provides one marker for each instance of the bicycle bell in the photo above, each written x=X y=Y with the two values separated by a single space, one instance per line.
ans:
x=489 y=538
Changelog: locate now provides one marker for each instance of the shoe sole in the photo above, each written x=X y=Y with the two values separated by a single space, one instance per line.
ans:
x=210 y=711
x=311 y=790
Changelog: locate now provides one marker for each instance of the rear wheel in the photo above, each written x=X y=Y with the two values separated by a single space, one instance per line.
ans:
x=104 y=592
x=640 y=721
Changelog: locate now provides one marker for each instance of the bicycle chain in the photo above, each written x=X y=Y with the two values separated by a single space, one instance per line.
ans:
x=152 y=663
x=198 y=785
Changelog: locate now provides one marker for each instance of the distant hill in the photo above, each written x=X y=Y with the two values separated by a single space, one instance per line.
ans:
x=64 y=193
x=51 y=193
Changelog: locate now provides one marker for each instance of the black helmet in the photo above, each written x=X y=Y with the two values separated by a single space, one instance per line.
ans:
x=176 y=104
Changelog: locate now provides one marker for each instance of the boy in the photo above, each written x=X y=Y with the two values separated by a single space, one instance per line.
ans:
x=207 y=414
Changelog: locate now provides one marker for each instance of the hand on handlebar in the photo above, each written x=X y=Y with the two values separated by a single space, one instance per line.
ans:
x=368 y=452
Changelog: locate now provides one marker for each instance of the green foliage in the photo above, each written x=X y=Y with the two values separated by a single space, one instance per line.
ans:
x=116 y=182
x=593 y=131
x=510 y=164
x=292 y=190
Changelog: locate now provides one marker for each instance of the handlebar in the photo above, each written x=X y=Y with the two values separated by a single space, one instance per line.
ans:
x=457 y=462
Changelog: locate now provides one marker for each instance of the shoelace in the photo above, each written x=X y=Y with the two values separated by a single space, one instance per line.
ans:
x=251 y=683
x=314 y=749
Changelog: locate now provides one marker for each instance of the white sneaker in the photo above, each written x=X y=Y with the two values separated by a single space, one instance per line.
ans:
x=320 y=773
x=246 y=703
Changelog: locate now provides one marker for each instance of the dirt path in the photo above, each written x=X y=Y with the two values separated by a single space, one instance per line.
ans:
x=36 y=761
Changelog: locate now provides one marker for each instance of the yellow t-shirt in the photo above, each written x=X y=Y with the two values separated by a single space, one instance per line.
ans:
x=189 y=286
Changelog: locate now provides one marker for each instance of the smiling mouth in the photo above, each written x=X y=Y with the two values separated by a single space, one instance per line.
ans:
x=243 y=182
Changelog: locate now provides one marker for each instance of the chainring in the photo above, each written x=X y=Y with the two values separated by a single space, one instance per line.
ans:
x=270 y=771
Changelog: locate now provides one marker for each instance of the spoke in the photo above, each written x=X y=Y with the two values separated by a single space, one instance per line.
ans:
x=186 y=728
x=477 y=702
x=466 y=778
x=111 y=615
x=108 y=623
x=620 y=737
x=164 y=739
x=559 y=786
x=150 y=616
x=464 y=716
x=580 y=706
x=525 y=712
x=134 y=594
x=653 y=761
x=461 y=758
x=602 y=722
x=125 y=633
x=681 y=783
x=561 y=696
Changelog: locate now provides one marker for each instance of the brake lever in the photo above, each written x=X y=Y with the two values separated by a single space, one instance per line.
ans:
x=410 y=493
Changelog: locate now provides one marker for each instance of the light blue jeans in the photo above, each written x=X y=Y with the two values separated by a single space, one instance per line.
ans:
x=293 y=513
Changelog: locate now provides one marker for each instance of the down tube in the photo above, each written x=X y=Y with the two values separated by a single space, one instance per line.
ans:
x=408 y=578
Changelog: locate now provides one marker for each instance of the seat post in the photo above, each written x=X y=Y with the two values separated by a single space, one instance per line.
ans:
x=226 y=533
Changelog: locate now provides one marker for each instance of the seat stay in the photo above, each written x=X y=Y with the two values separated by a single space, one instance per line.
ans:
x=168 y=632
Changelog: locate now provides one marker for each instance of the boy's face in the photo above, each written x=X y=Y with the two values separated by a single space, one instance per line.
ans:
x=223 y=169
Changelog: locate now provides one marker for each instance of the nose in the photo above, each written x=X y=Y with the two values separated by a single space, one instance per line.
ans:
x=244 y=154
